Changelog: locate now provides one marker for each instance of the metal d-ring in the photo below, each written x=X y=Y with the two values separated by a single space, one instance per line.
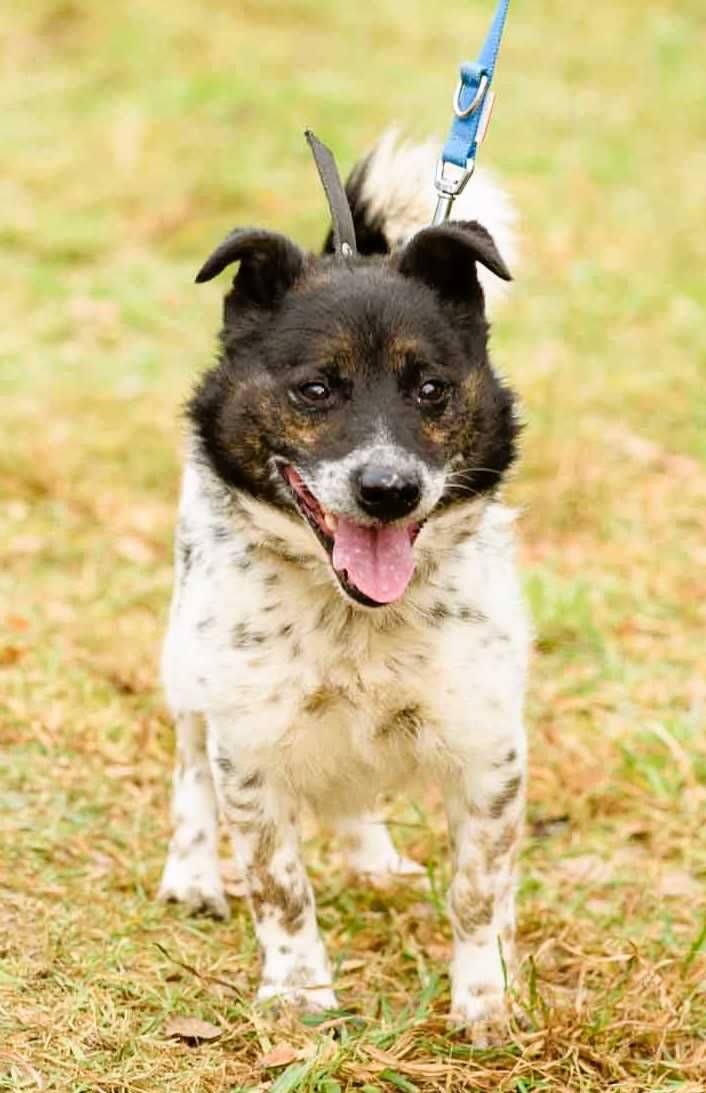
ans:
x=477 y=98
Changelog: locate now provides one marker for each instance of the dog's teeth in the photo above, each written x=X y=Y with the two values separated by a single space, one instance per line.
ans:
x=330 y=522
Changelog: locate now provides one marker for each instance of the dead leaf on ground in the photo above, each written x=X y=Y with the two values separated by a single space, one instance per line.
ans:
x=278 y=1056
x=191 y=1028
x=10 y=655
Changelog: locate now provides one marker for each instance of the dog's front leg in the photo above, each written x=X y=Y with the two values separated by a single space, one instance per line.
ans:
x=485 y=812
x=261 y=815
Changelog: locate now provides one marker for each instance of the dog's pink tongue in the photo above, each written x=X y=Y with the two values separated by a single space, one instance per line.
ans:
x=378 y=561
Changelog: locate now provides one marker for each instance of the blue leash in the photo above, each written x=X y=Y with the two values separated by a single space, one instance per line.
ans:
x=472 y=106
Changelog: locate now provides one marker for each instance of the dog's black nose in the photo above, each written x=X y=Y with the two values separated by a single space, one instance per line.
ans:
x=385 y=492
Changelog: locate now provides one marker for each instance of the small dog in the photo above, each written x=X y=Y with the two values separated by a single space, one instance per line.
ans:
x=346 y=613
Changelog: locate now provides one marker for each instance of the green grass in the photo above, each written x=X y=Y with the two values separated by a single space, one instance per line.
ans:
x=134 y=137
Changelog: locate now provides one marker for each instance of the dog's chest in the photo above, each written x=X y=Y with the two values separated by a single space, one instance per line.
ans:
x=346 y=706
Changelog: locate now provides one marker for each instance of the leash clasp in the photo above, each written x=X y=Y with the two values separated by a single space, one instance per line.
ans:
x=449 y=181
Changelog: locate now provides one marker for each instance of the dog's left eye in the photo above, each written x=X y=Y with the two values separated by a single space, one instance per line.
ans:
x=315 y=391
x=432 y=392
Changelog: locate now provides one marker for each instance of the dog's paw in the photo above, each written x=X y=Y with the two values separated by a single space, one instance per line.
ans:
x=492 y=1032
x=278 y=996
x=482 y=1012
x=198 y=889
x=383 y=874
x=298 y=977
x=481 y=1015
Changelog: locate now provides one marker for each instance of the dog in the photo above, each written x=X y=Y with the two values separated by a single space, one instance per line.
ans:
x=346 y=613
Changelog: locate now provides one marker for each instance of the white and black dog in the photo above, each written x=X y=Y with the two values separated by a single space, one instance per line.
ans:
x=346 y=613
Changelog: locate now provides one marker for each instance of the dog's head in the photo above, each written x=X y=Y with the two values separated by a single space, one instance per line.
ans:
x=358 y=395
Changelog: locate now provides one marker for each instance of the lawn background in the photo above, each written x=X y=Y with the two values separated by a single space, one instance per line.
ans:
x=134 y=136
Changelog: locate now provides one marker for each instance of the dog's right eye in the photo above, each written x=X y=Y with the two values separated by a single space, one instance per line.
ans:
x=314 y=392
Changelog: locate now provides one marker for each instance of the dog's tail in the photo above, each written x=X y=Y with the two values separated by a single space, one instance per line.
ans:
x=391 y=194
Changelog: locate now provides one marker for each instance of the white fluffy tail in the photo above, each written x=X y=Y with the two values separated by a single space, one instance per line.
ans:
x=392 y=196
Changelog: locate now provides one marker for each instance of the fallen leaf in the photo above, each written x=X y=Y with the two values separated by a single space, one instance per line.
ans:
x=10 y=655
x=279 y=1056
x=191 y=1028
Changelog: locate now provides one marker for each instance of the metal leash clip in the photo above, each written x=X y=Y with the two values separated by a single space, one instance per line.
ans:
x=449 y=181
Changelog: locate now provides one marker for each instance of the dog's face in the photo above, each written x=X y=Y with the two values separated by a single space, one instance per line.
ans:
x=358 y=395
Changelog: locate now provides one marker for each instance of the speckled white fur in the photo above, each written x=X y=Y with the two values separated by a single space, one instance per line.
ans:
x=298 y=695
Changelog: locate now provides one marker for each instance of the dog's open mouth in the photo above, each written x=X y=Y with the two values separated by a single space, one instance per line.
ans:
x=373 y=563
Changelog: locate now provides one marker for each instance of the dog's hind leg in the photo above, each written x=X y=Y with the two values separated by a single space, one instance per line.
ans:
x=371 y=852
x=192 y=873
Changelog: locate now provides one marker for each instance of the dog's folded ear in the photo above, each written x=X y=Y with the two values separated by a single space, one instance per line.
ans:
x=269 y=265
x=445 y=258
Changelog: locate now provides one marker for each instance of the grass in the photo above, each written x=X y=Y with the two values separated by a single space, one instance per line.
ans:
x=134 y=136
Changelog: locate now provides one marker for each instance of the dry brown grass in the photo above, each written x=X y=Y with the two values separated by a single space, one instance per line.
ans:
x=123 y=172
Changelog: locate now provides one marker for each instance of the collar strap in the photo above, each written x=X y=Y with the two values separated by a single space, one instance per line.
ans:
x=472 y=104
x=341 y=218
